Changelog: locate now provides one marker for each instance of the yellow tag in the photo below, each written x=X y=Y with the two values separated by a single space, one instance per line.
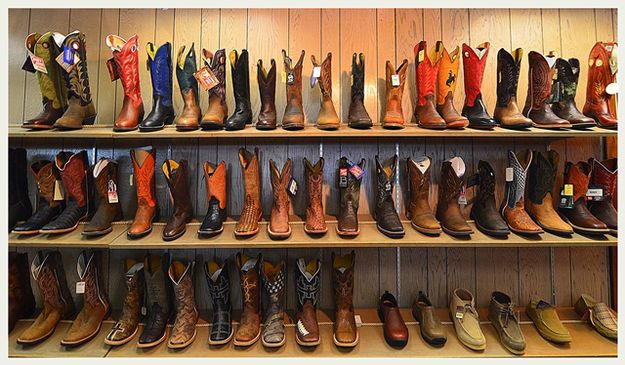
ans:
x=131 y=182
x=351 y=81
x=283 y=77
x=58 y=192
x=421 y=55
x=568 y=189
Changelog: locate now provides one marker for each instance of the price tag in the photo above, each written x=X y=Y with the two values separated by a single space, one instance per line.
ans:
x=462 y=197
x=58 y=192
x=509 y=174
x=80 y=287
x=112 y=192
x=343 y=177
x=206 y=78
x=290 y=78
x=421 y=55
x=395 y=80
x=68 y=55
x=594 y=194
x=292 y=187
x=568 y=189
x=316 y=73
x=459 y=312
x=355 y=170
x=68 y=67
x=131 y=181
x=358 y=320
x=566 y=201
x=144 y=311
x=38 y=64
x=612 y=88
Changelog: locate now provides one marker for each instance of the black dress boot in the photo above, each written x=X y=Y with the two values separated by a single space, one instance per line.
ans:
x=219 y=289
x=19 y=203
x=159 y=63
x=241 y=82
x=484 y=210
x=385 y=214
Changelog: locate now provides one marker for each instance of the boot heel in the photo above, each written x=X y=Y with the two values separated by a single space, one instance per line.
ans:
x=89 y=121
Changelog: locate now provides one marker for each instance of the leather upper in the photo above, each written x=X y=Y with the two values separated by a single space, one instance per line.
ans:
x=267 y=89
x=600 y=75
x=218 y=281
x=294 y=110
x=395 y=328
x=394 y=94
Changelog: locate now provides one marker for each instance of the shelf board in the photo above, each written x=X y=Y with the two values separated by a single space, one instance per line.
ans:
x=71 y=239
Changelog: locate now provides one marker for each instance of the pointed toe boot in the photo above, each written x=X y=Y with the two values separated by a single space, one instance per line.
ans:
x=395 y=81
x=447 y=80
x=215 y=178
x=604 y=176
x=358 y=117
x=20 y=208
x=294 y=111
x=127 y=326
x=349 y=190
x=274 y=285
x=159 y=300
x=474 y=64
x=315 y=216
x=176 y=175
x=345 y=331
x=563 y=94
x=484 y=211
x=159 y=64
x=278 y=227
x=426 y=71
x=448 y=211
x=602 y=68
x=327 y=118
x=513 y=205
x=183 y=332
x=217 y=112
x=252 y=209
x=219 y=288
x=186 y=66
x=143 y=172
x=21 y=299
x=307 y=285
x=109 y=208
x=418 y=210
x=507 y=112
x=387 y=219
x=248 y=331
x=267 y=88
x=239 y=64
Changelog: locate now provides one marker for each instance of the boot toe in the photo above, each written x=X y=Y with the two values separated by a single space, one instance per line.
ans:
x=345 y=336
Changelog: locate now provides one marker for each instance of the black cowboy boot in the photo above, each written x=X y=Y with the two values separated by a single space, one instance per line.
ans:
x=241 y=80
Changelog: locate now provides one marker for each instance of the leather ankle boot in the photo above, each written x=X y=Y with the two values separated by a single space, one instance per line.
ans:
x=267 y=88
x=419 y=211
x=274 y=283
x=349 y=190
x=125 y=66
x=278 y=227
x=537 y=104
x=20 y=208
x=358 y=117
x=307 y=285
x=73 y=171
x=513 y=205
x=539 y=203
x=252 y=209
x=176 y=176
x=327 y=118
x=159 y=64
x=47 y=48
x=474 y=63
x=143 y=172
x=294 y=112
x=563 y=94
x=186 y=66
x=95 y=306
x=219 y=288
x=426 y=71
x=394 y=327
x=249 y=326
x=393 y=113
x=127 y=326
x=57 y=302
x=602 y=67
x=507 y=111
x=345 y=331
x=215 y=178
x=183 y=332
x=484 y=211
x=447 y=80
x=159 y=300
x=241 y=82
x=109 y=208
x=217 y=112
x=604 y=176
x=448 y=211
x=21 y=299
x=315 y=216
x=387 y=219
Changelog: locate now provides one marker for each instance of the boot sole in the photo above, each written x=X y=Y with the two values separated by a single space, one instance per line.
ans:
x=82 y=340
x=210 y=233
x=135 y=236
x=246 y=234
x=457 y=233
x=360 y=126
x=347 y=233
x=152 y=344
x=221 y=342
x=311 y=232
x=182 y=345
x=590 y=231
x=391 y=234
x=307 y=344
x=552 y=126
x=122 y=342
x=583 y=125
x=274 y=344
x=61 y=230
x=36 y=340
x=247 y=343
x=266 y=128
x=36 y=231
x=524 y=232
x=517 y=126
x=438 y=127
x=427 y=231
x=38 y=127
x=346 y=344
x=116 y=129
x=279 y=236
x=97 y=233
x=328 y=127
x=393 y=126
x=187 y=129
x=486 y=127
x=151 y=129
x=175 y=237
x=292 y=127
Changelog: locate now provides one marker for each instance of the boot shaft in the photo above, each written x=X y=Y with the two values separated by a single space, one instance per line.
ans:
x=394 y=94
x=452 y=182
x=143 y=167
x=249 y=272
x=135 y=288
x=602 y=68
x=43 y=171
x=350 y=193
x=508 y=68
x=88 y=269
x=51 y=83
x=314 y=181
x=542 y=175
x=47 y=270
x=325 y=80
x=216 y=182
x=604 y=175
x=160 y=67
x=578 y=175
x=307 y=282
x=358 y=77
x=251 y=175
x=486 y=186
x=105 y=180
x=181 y=276
x=541 y=71
x=293 y=80
x=274 y=282
x=239 y=64
x=158 y=287
x=564 y=87
x=515 y=189
x=217 y=64
x=343 y=280
x=280 y=182
x=419 y=173
x=77 y=80
x=426 y=69
x=474 y=63
x=176 y=176
x=218 y=281
x=385 y=181
x=186 y=66
x=19 y=288
x=447 y=74
x=73 y=171
x=126 y=60
x=267 y=87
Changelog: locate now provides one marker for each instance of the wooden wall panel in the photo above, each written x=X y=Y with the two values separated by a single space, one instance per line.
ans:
x=409 y=32
x=330 y=42
x=107 y=91
x=18 y=31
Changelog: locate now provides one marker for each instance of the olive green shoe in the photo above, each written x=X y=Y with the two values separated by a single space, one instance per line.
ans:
x=547 y=322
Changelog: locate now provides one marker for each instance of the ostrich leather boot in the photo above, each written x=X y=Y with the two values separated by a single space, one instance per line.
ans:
x=219 y=288
x=20 y=208
x=513 y=205
x=21 y=298
x=95 y=302
x=47 y=270
x=327 y=118
x=109 y=208
x=387 y=219
x=249 y=327
x=418 y=210
x=125 y=66
x=345 y=331
x=451 y=185
x=183 y=332
x=315 y=216
x=217 y=112
x=349 y=190
x=579 y=216
x=393 y=112
x=186 y=66
x=80 y=108
x=176 y=176
x=158 y=302
x=358 y=117
x=267 y=88
x=447 y=80
x=46 y=48
x=484 y=211
x=215 y=178
x=604 y=176
x=426 y=72
x=252 y=209
x=539 y=203
x=143 y=171
x=563 y=94
x=602 y=67
x=294 y=112
x=307 y=285
x=242 y=115
x=159 y=64
x=127 y=326
x=474 y=63
x=507 y=111
x=274 y=282
x=278 y=227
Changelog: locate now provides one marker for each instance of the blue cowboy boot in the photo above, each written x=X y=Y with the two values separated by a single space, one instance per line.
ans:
x=159 y=64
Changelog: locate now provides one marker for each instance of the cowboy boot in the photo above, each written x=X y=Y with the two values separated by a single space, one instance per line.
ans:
x=96 y=304
x=507 y=112
x=127 y=325
x=183 y=332
x=604 y=176
x=537 y=104
x=307 y=285
x=539 y=203
x=293 y=118
x=217 y=112
x=159 y=297
x=345 y=331
x=125 y=66
x=20 y=208
x=215 y=178
x=45 y=49
x=73 y=170
x=267 y=88
x=143 y=173
x=21 y=299
x=186 y=66
x=358 y=117
x=474 y=63
x=249 y=326
x=81 y=109
x=315 y=217
x=426 y=71
x=563 y=94
x=484 y=210
x=274 y=284
x=513 y=205
x=252 y=209
x=602 y=67
x=159 y=64
x=393 y=113
x=242 y=115
x=219 y=288
x=419 y=211
x=387 y=219
x=327 y=118
x=48 y=272
x=278 y=227
x=176 y=176
x=109 y=208
x=349 y=190
x=448 y=211
x=447 y=78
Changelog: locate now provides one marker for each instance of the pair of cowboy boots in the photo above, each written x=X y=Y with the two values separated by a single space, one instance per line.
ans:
x=327 y=118
x=186 y=66
x=600 y=100
x=176 y=175
x=474 y=64
x=350 y=178
x=451 y=194
x=20 y=208
x=21 y=299
x=418 y=209
x=395 y=83
x=267 y=88
x=127 y=326
x=386 y=216
x=507 y=112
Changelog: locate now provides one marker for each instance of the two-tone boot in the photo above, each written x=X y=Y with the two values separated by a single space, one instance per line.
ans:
x=183 y=332
x=447 y=79
x=20 y=208
x=315 y=217
x=161 y=73
x=143 y=173
x=451 y=188
x=218 y=282
x=604 y=176
x=176 y=174
x=474 y=64
x=307 y=285
x=418 y=210
x=127 y=326
x=267 y=88
x=21 y=298
x=426 y=72
x=345 y=331
x=293 y=118
x=327 y=118
x=109 y=208
x=358 y=117
x=158 y=300
x=395 y=81
x=248 y=332
x=484 y=210
x=252 y=209
x=349 y=191
x=278 y=227
x=513 y=204
x=563 y=94
x=507 y=111
x=387 y=219
x=602 y=68
x=215 y=178
x=274 y=285
x=217 y=112
x=186 y=66
x=239 y=64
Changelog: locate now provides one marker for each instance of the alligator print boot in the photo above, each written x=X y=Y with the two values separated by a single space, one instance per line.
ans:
x=349 y=190
x=176 y=175
x=278 y=227
x=294 y=112
x=267 y=88
x=127 y=326
x=563 y=94
x=507 y=111
x=159 y=64
x=183 y=332
x=217 y=112
x=143 y=172
x=248 y=331
x=186 y=66
x=242 y=115
x=219 y=288
x=447 y=79
x=358 y=117
x=20 y=208
x=602 y=67
x=315 y=216
x=158 y=302
x=109 y=208
x=215 y=178
x=307 y=285
x=513 y=205
x=484 y=211
x=426 y=71
x=252 y=209
x=450 y=189
x=395 y=81
x=418 y=210
x=345 y=331
x=274 y=283
x=21 y=299
x=387 y=219
x=327 y=118
x=474 y=63
x=125 y=66
x=604 y=176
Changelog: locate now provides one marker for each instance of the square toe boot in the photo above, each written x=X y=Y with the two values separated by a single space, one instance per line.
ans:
x=186 y=66
x=315 y=216
x=513 y=205
x=393 y=113
x=448 y=211
x=345 y=331
x=602 y=68
x=506 y=322
x=563 y=94
x=267 y=88
x=127 y=326
x=248 y=332
x=20 y=207
x=474 y=64
x=419 y=211
x=215 y=179
x=426 y=72
x=447 y=80
x=21 y=299
x=327 y=118
x=387 y=219
x=159 y=300
x=183 y=332
x=307 y=285
x=217 y=112
x=278 y=227
x=159 y=64
x=484 y=211
x=347 y=218
x=604 y=176
x=143 y=172
x=252 y=209
x=274 y=283
x=218 y=281
x=358 y=117
x=507 y=111
x=242 y=115
x=109 y=210
x=293 y=118
x=176 y=175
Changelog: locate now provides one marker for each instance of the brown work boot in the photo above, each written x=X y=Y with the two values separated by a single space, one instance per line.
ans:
x=278 y=227
x=349 y=190
x=563 y=94
x=109 y=208
x=183 y=332
x=358 y=117
x=307 y=284
x=426 y=70
x=315 y=216
x=267 y=88
x=249 y=327
x=507 y=111
x=393 y=114
x=604 y=176
x=345 y=331
x=215 y=178
x=127 y=326
x=418 y=210
x=215 y=117
x=327 y=118
x=252 y=209
x=176 y=176
x=602 y=68
x=450 y=190
x=21 y=299
x=447 y=79
x=293 y=118
x=143 y=172
x=186 y=66
x=513 y=204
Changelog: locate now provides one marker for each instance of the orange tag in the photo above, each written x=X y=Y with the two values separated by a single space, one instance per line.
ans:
x=206 y=78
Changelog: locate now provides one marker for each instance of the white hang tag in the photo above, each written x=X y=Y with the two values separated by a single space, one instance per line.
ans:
x=358 y=320
x=594 y=193
x=612 y=88
x=292 y=187
x=462 y=197
x=459 y=312
x=395 y=80
x=316 y=73
x=39 y=64
x=58 y=192
x=131 y=180
x=112 y=192
x=80 y=287
x=509 y=174
x=144 y=311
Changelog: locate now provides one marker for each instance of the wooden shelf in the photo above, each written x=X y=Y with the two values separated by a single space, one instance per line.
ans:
x=71 y=239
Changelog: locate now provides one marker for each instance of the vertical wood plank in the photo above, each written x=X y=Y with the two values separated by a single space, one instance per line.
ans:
x=330 y=42
x=106 y=105
x=525 y=31
x=18 y=31
x=232 y=35
x=386 y=49
x=210 y=40
x=188 y=31
x=455 y=31
x=409 y=31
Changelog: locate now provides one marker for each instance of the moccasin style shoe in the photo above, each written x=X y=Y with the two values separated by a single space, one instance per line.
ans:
x=602 y=317
x=547 y=322
x=504 y=319
x=430 y=325
x=395 y=330
x=466 y=320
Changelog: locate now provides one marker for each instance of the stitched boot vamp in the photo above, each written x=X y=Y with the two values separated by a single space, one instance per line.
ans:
x=546 y=216
x=605 y=212
x=387 y=217
x=448 y=112
x=348 y=218
x=427 y=115
x=519 y=220
x=307 y=327
x=579 y=215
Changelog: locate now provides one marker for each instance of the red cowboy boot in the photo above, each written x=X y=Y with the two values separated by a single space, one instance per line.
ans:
x=474 y=63
x=601 y=73
x=426 y=71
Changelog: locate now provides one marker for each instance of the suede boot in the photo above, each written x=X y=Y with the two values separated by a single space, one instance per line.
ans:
x=447 y=80
x=393 y=113
x=602 y=68
x=217 y=112
x=267 y=88
x=358 y=117
x=426 y=71
x=451 y=185
x=513 y=205
x=294 y=112
x=507 y=112
x=241 y=82
x=387 y=219
x=143 y=172
x=474 y=64
x=349 y=190
x=278 y=227
x=327 y=118
x=307 y=285
x=252 y=209
x=186 y=66
x=315 y=216
x=127 y=326
x=563 y=94
x=248 y=331
x=484 y=211
x=176 y=176
x=219 y=288
x=345 y=331
x=109 y=208
x=183 y=332
x=418 y=210
x=604 y=176
x=215 y=178
x=21 y=299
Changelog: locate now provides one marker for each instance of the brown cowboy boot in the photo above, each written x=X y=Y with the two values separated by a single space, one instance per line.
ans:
x=419 y=211
x=143 y=172
x=267 y=88
x=393 y=114
x=183 y=332
x=604 y=176
x=327 y=118
x=294 y=112
x=448 y=211
x=507 y=112
x=109 y=208
x=252 y=209
x=127 y=326
x=186 y=66
x=315 y=217
x=358 y=117
x=307 y=284
x=176 y=176
x=21 y=299
x=447 y=80
x=349 y=190
x=215 y=178
x=215 y=117
x=426 y=70
x=563 y=94
x=513 y=205
x=274 y=283
x=278 y=227
x=345 y=331
x=249 y=326
x=602 y=67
